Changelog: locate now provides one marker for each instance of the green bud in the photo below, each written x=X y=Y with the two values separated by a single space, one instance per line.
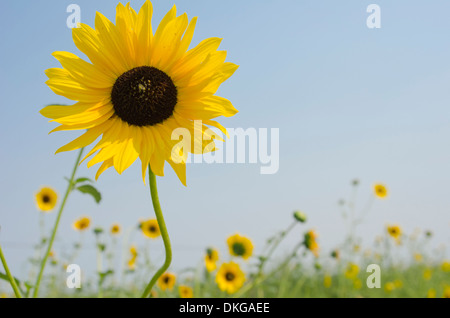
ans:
x=101 y=247
x=300 y=216
x=98 y=230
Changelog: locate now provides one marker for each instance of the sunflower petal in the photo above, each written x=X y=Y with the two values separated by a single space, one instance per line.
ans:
x=105 y=165
x=167 y=44
x=87 y=138
x=193 y=58
x=144 y=33
x=83 y=71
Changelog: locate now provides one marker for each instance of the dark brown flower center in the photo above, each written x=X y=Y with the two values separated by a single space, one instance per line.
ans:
x=229 y=276
x=45 y=198
x=152 y=228
x=238 y=249
x=144 y=96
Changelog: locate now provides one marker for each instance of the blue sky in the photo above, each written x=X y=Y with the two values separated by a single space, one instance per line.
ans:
x=350 y=102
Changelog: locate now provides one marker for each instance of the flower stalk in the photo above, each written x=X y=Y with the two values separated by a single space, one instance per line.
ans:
x=55 y=227
x=164 y=233
x=12 y=281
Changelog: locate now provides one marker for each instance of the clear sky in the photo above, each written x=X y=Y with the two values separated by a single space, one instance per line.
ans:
x=349 y=101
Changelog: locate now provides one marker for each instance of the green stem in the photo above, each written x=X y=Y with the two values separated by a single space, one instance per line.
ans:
x=281 y=236
x=164 y=233
x=12 y=281
x=52 y=238
x=259 y=280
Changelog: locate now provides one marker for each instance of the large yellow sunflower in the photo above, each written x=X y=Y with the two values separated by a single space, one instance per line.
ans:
x=139 y=87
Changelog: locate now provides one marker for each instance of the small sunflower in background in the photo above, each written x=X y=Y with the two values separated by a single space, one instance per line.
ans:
x=150 y=228
x=185 y=291
x=389 y=287
x=394 y=231
x=139 y=87
x=335 y=254
x=327 y=281
x=418 y=257
x=445 y=266
x=82 y=224
x=240 y=246
x=230 y=277
x=166 y=281
x=211 y=258
x=310 y=241
x=352 y=271
x=132 y=261
x=46 y=199
x=427 y=273
x=115 y=229
x=431 y=293
x=380 y=190
x=446 y=292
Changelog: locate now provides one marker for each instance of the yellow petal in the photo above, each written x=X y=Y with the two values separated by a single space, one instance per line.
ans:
x=144 y=33
x=125 y=157
x=113 y=46
x=83 y=71
x=62 y=83
x=87 y=41
x=57 y=111
x=85 y=125
x=87 y=138
x=105 y=165
x=180 y=170
x=193 y=58
x=167 y=44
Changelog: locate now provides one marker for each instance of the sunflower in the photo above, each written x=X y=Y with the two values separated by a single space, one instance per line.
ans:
x=46 y=199
x=150 y=228
x=139 y=87
x=431 y=293
x=185 y=291
x=335 y=254
x=394 y=231
x=166 y=281
x=446 y=292
x=418 y=257
x=380 y=190
x=132 y=261
x=352 y=271
x=310 y=241
x=211 y=258
x=357 y=284
x=389 y=287
x=115 y=229
x=82 y=224
x=427 y=273
x=327 y=281
x=240 y=246
x=230 y=277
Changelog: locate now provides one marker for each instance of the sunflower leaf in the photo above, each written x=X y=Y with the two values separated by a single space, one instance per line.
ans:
x=80 y=180
x=5 y=277
x=88 y=189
